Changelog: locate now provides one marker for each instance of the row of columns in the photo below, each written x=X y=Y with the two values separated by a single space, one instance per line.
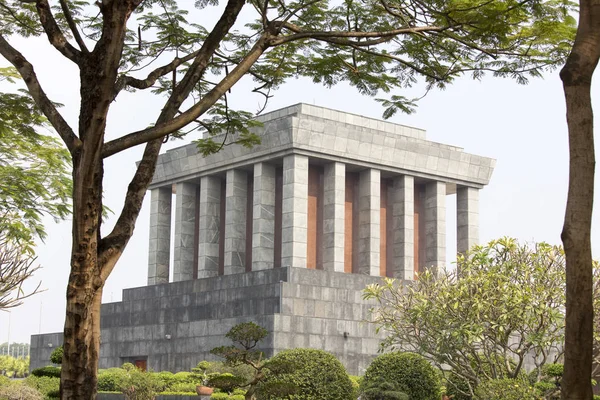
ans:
x=201 y=209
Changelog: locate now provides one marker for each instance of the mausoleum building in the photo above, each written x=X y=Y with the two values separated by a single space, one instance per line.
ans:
x=287 y=234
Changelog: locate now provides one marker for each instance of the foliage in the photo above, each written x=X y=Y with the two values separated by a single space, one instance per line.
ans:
x=49 y=371
x=57 y=355
x=356 y=381
x=314 y=374
x=139 y=385
x=505 y=389
x=34 y=168
x=14 y=367
x=16 y=266
x=507 y=299
x=406 y=372
x=226 y=382
x=111 y=380
x=18 y=391
x=44 y=384
x=384 y=390
x=4 y=380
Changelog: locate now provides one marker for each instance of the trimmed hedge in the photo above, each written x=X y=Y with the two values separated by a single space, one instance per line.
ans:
x=317 y=375
x=53 y=372
x=408 y=372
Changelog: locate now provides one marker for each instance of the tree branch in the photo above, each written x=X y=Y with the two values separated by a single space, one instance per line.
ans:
x=73 y=26
x=160 y=130
x=39 y=96
x=153 y=76
x=380 y=37
x=112 y=245
x=54 y=34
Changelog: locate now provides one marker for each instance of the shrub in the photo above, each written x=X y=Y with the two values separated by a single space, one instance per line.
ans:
x=355 y=385
x=4 y=380
x=316 y=374
x=187 y=387
x=166 y=380
x=57 y=355
x=504 y=389
x=384 y=391
x=188 y=377
x=226 y=382
x=44 y=384
x=140 y=385
x=111 y=380
x=47 y=371
x=17 y=391
x=409 y=372
x=219 y=396
x=55 y=394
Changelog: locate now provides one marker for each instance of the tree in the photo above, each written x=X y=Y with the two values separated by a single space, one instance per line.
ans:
x=504 y=305
x=375 y=45
x=576 y=76
x=246 y=337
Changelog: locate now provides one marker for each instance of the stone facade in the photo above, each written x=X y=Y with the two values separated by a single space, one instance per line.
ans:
x=287 y=234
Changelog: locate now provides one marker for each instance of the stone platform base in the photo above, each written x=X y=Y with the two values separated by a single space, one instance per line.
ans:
x=173 y=326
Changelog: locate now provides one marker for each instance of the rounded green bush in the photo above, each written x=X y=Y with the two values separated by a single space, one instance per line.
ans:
x=315 y=374
x=47 y=371
x=111 y=379
x=219 y=396
x=409 y=372
x=57 y=355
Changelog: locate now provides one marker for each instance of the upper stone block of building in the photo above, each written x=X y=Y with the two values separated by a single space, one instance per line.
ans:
x=333 y=135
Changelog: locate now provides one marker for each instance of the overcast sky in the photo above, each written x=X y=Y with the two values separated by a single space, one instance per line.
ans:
x=522 y=127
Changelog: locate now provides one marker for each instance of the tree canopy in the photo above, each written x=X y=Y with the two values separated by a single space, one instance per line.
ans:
x=34 y=167
x=505 y=304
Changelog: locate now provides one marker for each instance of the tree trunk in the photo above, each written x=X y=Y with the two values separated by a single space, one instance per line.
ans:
x=577 y=79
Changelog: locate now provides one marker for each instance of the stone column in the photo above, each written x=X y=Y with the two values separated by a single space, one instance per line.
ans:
x=185 y=224
x=294 y=211
x=369 y=206
x=160 y=235
x=333 y=216
x=467 y=218
x=263 y=224
x=435 y=225
x=403 y=227
x=236 y=199
x=208 y=227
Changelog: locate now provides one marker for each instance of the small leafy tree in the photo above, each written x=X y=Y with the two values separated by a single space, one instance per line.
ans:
x=246 y=337
x=57 y=355
x=505 y=303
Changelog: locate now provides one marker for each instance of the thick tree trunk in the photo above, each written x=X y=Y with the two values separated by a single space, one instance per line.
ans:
x=577 y=80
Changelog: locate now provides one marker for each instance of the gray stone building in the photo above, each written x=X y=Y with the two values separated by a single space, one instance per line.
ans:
x=287 y=234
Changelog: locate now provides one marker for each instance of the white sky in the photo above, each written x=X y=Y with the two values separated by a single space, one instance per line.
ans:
x=523 y=127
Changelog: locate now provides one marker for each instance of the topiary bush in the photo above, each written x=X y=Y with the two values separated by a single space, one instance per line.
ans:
x=53 y=372
x=315 y=375
x=408 y=372
x=505 y=389
x=57 y=355
x=18 y=391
